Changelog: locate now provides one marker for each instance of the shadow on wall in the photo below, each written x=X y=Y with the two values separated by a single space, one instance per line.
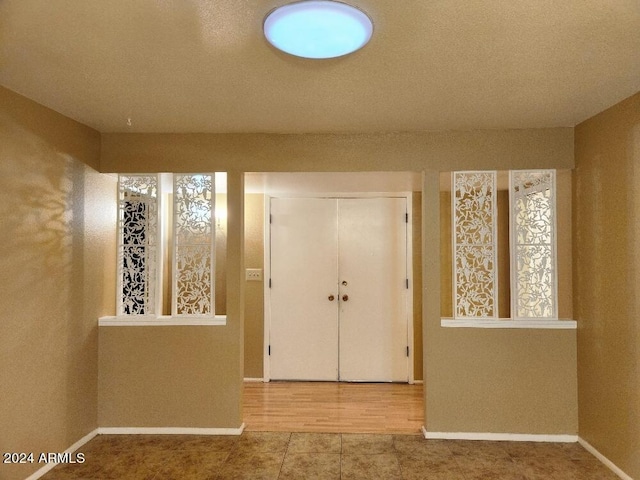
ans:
x=37 y=211
x=48 y=323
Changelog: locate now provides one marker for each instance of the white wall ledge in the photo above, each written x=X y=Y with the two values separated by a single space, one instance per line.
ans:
x=509 y=323
x=160 y=321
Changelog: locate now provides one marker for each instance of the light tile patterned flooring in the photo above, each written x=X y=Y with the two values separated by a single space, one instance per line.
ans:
x=304 y=456
x=303 y=431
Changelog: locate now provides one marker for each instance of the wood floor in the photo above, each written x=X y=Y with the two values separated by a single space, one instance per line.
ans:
x=333 y=407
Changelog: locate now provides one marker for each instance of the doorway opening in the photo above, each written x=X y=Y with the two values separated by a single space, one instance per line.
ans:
x=260 y=188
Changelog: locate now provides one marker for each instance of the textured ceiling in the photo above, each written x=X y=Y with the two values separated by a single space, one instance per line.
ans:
x=204 y=66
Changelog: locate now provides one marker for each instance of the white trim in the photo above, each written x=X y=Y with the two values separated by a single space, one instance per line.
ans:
x=507 y=437
x=84 y=440
x=170 y=431
x=508 y=323
x=608 y=463
x=339 y=195
x=137 y=431
x=494 y=239
x=175 y=245
x=418 y=382
x=253 y=380
x=410 y=289
x=266 y=317
x=513 y=251
x=160 y=321
x=158 y=260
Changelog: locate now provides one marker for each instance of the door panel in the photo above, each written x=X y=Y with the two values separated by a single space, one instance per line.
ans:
x=304 y=323
x=316 y=245
x=372 y=253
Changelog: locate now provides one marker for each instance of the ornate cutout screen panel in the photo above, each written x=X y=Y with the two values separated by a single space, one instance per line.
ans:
x=474 y=245
x=533 y=244
x=137 y=244
x=194 y=245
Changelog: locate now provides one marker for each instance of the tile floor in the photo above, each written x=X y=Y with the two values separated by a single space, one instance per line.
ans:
x=305 y=456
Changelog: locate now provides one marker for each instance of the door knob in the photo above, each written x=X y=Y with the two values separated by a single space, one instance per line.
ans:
x=345 y=298
x=331 y=298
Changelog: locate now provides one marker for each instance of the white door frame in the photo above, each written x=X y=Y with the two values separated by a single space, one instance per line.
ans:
x=267 y=268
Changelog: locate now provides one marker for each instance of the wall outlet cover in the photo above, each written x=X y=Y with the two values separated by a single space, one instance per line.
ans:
x=253 y=274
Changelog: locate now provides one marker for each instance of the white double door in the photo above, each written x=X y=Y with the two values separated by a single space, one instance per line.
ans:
x=339 y=289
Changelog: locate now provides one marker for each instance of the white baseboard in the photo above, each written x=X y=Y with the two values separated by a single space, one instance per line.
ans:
x=508 y=437
x=169 y=431
x=40 y=472
x=418 y=382
x=608 y=463
x=253 y=380
x=137 y=431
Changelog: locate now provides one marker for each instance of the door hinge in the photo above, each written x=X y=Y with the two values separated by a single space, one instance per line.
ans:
x=407 y=350
x=269 y=283
x=406 y=218
x=269 y=349
x=407 y=283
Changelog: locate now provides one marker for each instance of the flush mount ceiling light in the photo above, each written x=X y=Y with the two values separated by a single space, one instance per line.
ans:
x=318 y=29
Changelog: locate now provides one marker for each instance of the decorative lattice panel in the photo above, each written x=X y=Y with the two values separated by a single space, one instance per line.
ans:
x=474 y=244
x=194 y=244
x=533 y=275
x=137 y=244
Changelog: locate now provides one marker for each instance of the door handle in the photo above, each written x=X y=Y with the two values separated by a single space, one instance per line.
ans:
x=345 y=298
x=331 y=298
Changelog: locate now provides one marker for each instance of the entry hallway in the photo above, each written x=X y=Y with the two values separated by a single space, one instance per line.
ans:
x=306 y=431
x=333 y=407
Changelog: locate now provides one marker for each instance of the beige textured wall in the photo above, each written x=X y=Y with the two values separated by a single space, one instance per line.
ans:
x=254 y=295
x=168 y=377
x=504 y=265
x=486 y=380
x=501 y=381
x=481 y=366
x=221 y=258
x=180 y=376
x=58 y=268
x=606 y=224
x=417 y=287
x=564 y=240
x=409 y=152
x=55 y=240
